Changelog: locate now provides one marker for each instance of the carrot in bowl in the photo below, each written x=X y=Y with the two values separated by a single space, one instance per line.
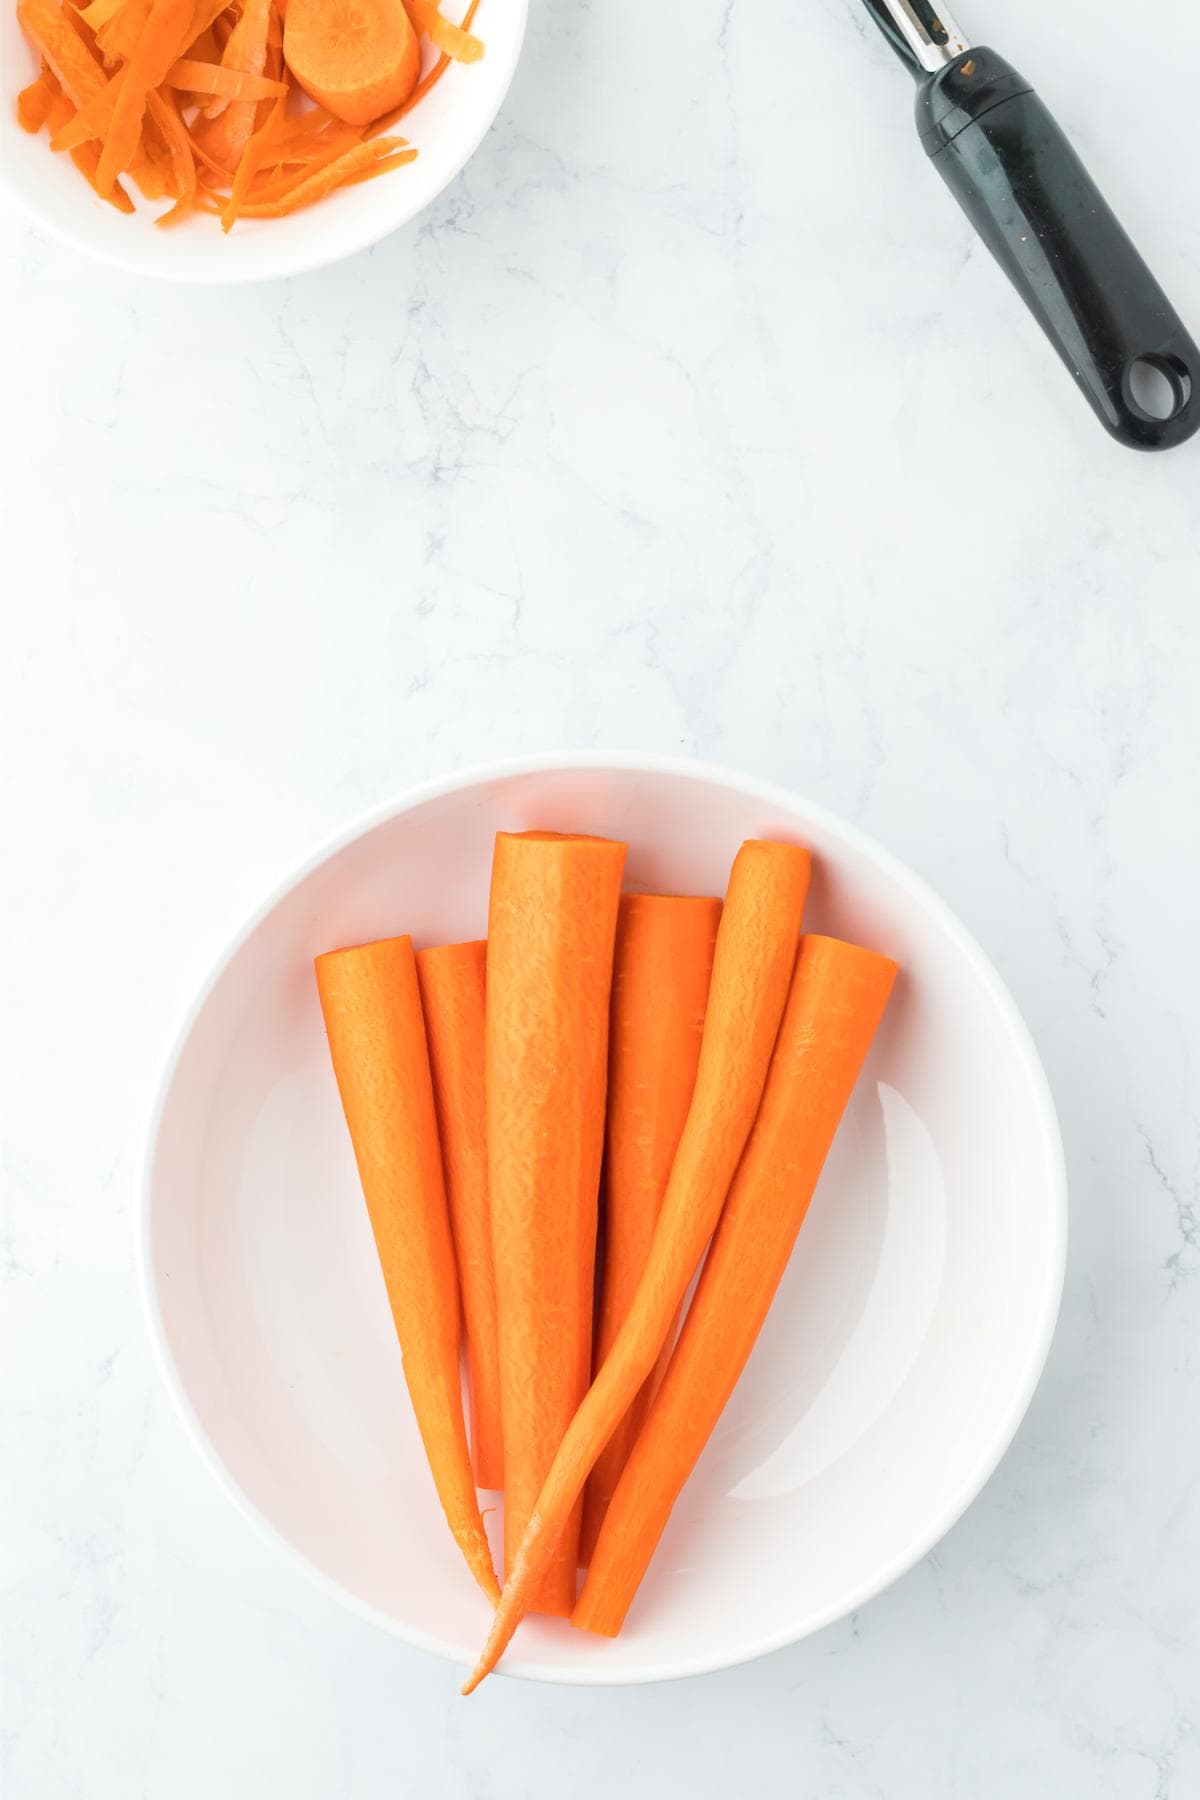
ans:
x=838 y=997
x=661 y=973
x=551 y=928
x=752 y=970
x=371 y=1002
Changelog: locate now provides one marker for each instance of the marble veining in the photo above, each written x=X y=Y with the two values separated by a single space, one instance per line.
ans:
x=692 y=418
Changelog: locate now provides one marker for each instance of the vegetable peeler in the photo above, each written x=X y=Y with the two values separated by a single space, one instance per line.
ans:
x=1013 y=171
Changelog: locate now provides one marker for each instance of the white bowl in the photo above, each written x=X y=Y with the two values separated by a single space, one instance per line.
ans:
x=903 y=1346
x=446 y=127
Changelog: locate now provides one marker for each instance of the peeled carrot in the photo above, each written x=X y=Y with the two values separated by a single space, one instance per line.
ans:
x=372 y=1007
x=838 y=997
x=661 y=973
x=357 y=58
x=453 y=981
x=551 y=929
x=752 y=969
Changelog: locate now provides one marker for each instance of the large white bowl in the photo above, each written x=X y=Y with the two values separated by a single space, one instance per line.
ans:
x=902 y=1349
x=446 y=128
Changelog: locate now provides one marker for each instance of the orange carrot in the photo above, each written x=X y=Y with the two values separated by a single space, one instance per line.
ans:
x=453 y=985
x=660 y=990
x=357 y=58
x=752 y=969
x=837 y=1000
x=551 y=929
x=372 y=1007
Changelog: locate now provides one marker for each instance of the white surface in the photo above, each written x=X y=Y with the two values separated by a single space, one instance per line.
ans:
x=663 y=430
x=901 y=1353
x=444 y=127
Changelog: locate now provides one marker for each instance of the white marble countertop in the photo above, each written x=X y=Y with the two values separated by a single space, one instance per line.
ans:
x=691 y=419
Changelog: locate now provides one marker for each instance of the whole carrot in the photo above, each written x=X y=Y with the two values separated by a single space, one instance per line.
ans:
x=453 y=980
x=661 y=973
x=372 y=1008
x=551 y=926
x=838 y=997
x=752 y=970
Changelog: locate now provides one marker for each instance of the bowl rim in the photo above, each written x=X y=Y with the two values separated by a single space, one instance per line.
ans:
x=768 y=793
x=304 y=262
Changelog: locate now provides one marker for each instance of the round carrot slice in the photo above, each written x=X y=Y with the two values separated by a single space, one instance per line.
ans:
x=357 y=58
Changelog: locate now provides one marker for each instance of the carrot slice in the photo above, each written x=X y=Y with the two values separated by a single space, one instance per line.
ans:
x=214 y=78
x=453 y=981
x=372 y=1008
x=357 y=58
x=661 y=973
x=452 y=39
x=838 y=998
x=752 y=969
x=551 y=930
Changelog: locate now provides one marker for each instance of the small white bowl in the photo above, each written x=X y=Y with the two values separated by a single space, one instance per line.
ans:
x=446 y=127
x=903 y=1346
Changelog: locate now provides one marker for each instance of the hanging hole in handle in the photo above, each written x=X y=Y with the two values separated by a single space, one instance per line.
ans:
x=1157 y=388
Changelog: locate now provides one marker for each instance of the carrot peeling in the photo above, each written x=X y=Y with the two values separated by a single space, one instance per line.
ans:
x=837 y=1000
x=551 y=931
x=753 y=962
x=371 y=1003
x=35 y=101
x=206 y=102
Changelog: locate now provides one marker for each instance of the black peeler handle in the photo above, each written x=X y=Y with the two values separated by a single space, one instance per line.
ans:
x=1015 y=175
